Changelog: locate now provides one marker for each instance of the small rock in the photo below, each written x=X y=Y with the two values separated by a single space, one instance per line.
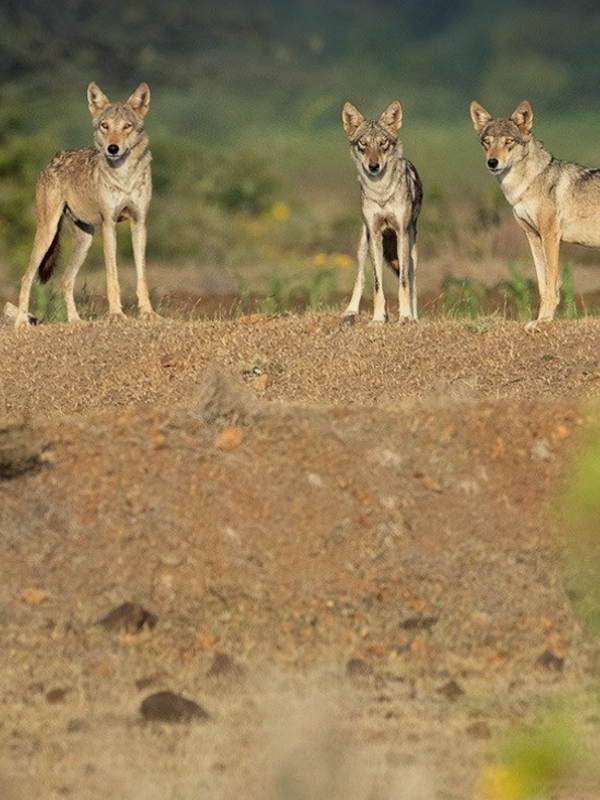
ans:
x=540 y=450
x=432 y=485
x=418 y=623
x=387 y=458
x=229 y=438
x=549 y=660
x=451 y=691
x=170 y=707
x=173 y=360
x=224 y=666
x=77 y=725
x=151 y=680
x=357 y=668
x=57 y=695
x=260 y=383
x=103 y=668
x=315 y=480
x=479 y=730
x=170 y=559
x=33 y=596
x=128 y=617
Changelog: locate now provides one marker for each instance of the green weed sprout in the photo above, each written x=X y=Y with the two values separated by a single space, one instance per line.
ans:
x=531 y=763
x=580 y=519
x=568 y=293
x=518 y=291
x=463 y=296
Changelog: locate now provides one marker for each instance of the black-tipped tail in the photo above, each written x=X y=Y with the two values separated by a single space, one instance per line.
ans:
x=50 y=260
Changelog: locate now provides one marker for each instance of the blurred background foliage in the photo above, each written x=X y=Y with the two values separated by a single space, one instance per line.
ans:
x=251 y=169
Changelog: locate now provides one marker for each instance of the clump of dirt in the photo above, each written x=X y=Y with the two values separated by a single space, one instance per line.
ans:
x=224 y=400
x=20 y=449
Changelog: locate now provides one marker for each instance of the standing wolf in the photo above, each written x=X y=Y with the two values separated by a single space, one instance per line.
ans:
x=91 y=186
x=552 y=200
x=391 y=200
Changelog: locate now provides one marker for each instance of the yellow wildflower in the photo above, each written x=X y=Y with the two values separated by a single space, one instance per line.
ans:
x=498 y=782
x=280 y=211
x=342 y=260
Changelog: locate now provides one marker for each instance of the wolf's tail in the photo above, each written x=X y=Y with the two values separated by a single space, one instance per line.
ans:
x=50 y=259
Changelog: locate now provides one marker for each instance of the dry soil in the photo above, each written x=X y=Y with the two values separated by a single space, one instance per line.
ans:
x=342 y=542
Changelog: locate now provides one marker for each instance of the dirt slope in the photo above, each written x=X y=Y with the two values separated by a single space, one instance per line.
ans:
x=347 y=535
x=60 y=369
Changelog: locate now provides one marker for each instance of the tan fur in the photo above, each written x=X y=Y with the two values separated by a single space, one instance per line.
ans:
x=552 y=200
x=92 y=186
x=391 y=200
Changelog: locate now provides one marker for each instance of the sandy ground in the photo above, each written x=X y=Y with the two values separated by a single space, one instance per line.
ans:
x=343 y=540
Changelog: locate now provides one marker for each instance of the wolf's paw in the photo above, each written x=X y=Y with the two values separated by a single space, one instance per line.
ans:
x=149 y=315
x=536 y=325
x=22 y=320
x=116 y=317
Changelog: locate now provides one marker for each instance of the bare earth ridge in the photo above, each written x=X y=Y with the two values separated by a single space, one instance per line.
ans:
x=340 y=542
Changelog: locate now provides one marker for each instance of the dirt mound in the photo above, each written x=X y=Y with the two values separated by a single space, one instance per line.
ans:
x=360 y=521
x=55 y=370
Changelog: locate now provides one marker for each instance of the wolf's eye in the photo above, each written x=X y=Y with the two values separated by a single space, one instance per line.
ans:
x=127 y=126
x=104 y=126
x=361 y=144
x=486 y=142
x=509 y=141
x=385 y=144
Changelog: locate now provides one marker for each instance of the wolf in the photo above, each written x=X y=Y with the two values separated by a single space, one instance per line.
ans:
x=91 y=186
x=552 y=200
x=392 y=194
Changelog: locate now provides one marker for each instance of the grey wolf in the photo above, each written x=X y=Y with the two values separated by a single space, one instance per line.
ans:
x=552 y=200
x=91 y=186
x=391 y=193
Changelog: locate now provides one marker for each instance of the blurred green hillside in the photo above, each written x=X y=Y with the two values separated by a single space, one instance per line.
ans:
x=251 y=167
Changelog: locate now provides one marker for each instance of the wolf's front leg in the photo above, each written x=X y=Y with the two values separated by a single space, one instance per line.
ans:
x=138 y=238
x=545 y=257
x=113 y=290
x=359 y=284
x=379 y=309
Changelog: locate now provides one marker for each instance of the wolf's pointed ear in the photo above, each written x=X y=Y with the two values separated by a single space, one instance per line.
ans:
x=96 y=98
x=392 y=117
x=352 y=119
x=140 y=99
x=522 y=116
x=479 y=116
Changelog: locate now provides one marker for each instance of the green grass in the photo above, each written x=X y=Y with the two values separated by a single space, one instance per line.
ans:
x=518 y=290
x=463 y=297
